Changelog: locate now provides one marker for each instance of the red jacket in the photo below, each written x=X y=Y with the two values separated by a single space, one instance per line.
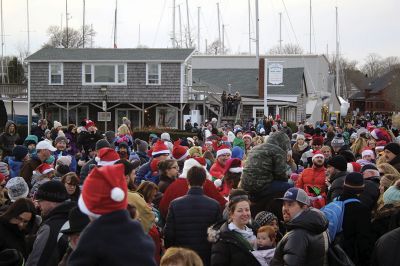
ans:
x=217 y=170
x=314 y=177
x=180 y=188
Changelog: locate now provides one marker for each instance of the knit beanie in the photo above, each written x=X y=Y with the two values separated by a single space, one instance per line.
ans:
x=61 y=138
x=19 y=152
x=142 y=146
x=338 y=162
x=53 y=191
x=392 y=195
x=17 y=188
x=264 y=218
x=337 y=141
x=237 y=152
x=354 y=183
x=393 y=148
x=102 y=143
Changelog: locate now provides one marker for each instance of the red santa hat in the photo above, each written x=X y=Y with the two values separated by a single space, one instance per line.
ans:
x=317 y=154
x=223 y=149
x=233 y=165
x=159 y=148
x=189 y=163
x=154 y=165
x=89 y=123
x=380 y=145
x=106 y=156
x=104 y=191
x=179 y=152
x=43 y=169
x=367 y=152
x=353 y=167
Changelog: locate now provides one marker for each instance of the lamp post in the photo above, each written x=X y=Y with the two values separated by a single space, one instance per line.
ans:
x=103 y=89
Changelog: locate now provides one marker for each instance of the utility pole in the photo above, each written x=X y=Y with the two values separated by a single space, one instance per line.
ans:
x=83 y=26
x=280 y=31
x=219 y=28
x=249 y=27
x=139 y=37
x=66 y=20
x=206 y=46
x=337 y=54
x=310 y=24
x=257 y=35
x=223 y=39
x=198 y=29
x=180 y=27
x=115 y=24
x=2 y=43
x=173 y=25
x=188 y=24
x=27 y=24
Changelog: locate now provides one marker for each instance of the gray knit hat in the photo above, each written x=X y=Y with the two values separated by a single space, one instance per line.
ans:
x=17 y=188
x=338 y=141
x=264 y=218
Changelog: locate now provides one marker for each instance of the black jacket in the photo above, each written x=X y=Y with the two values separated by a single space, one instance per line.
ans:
x=187 y=222
x=305 y=243
x=87 y=141
x=7 y=140
x=12 y=238
x=336 y=188
x=371 y=192
x=385 y=220
x=85 y=170
x=386 y=252
x=395 y=162
x=113 y=239
x=357 y=237
x=48 y=249
x=228 y=249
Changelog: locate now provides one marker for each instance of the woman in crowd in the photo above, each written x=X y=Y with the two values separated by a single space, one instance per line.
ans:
x=234 y=240
x=169 y=171
x=300 y=147
x=71 y=183
x=15 y=224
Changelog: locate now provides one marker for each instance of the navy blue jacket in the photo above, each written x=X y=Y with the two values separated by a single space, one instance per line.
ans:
x=187 y=222
x=114 y=239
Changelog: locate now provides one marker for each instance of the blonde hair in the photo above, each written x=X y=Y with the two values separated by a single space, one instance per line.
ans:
x=124 y=130
x=180 y=256
x=258 y=140
x=358 y=146
x=381 y=160
x=388 y=169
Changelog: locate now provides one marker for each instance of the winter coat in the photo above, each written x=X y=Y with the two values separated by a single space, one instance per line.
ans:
x=15 y=167
x=113 y=239
x=395 y=162
x=85 y=170
x=217 y=170
x=164 y=183
x=72 y=147
x=386 y=251
x=38 y=132
x=264 y=256
x=47 y=248
x=146 y=216
x=73 y=165
x=87 y=141
x=142 y=172
x=12 y=238
x=336 y=188
x=304 y=244
x=312 y=177
x=371 y=192
x=265 y=163
x=386 y=219
x=297 y=153
x=187 y=222
x=228 y=248
x=7 y=140
x=357 y=236
x=28 y=167
x=180 y=188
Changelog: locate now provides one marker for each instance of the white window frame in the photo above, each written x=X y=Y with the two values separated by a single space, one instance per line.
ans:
x=159 y=74
x=92 y=65
x=62 y=74
x=254 y=111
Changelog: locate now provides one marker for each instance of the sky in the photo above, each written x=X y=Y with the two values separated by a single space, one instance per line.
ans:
x=365 y=26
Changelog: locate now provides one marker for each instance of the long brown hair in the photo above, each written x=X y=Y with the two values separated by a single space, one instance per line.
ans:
x=146 y=189
x=20 y=206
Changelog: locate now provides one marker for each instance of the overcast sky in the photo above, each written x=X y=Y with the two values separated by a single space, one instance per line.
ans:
x=366 y=26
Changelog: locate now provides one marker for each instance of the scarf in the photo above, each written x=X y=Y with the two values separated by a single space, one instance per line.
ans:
x=302 y=147
x=246 y=233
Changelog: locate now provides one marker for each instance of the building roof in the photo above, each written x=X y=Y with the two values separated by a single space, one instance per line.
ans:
x=245 y=81
x=108 y=54
x=386 y=80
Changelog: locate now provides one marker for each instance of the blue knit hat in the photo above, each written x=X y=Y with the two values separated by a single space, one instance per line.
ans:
x=237 y=152
x=392 y=195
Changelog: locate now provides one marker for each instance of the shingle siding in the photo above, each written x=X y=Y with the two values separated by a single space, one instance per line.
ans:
x=136 y=90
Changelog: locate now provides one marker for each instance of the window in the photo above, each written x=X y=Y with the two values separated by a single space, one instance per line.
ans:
x=153 y=74
x=56 y=74
x=104 y=74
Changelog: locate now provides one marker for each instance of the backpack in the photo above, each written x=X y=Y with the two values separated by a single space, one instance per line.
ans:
x=334 y=213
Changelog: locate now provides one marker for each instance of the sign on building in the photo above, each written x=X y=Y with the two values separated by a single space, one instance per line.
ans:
x=104 y=116
x=275 y=74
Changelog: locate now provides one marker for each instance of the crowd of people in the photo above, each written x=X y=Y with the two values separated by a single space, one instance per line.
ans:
x=230 y=103
x=257 y=194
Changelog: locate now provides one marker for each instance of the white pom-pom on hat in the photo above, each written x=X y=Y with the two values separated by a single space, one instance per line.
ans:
x=117 y=194
x=218 y=182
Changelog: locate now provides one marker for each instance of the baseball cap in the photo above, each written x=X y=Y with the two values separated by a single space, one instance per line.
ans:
x=296 y=194
x=45 y=145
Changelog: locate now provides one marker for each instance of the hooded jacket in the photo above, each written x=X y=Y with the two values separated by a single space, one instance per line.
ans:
x=336 y=188
x=386 y=249
x=265 y=163
x=7 y=140
x=15 y=166
x=304 y=243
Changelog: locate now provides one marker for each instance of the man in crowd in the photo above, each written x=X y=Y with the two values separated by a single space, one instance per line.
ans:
x=371 y=192
x=336 y=173
x=48 y=248
x=189 y=217
x=217 y=169
x=392 y=154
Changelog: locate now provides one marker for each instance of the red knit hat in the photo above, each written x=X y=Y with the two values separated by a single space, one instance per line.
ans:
x=104 y=191
x=233 y=165
x=106 y=156
x=179 y=152
x=353 y=167
x=43 y=169
x=159 y=148
x=223 y=149
x=89 y=123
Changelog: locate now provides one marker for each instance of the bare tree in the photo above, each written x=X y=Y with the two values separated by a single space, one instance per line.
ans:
x=58 y=37
x=289 y=48
x=373 y=66
x=390 y=63
x=216 y=48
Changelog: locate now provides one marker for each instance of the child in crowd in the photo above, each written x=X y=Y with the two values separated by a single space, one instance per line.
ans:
x=265 y=245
